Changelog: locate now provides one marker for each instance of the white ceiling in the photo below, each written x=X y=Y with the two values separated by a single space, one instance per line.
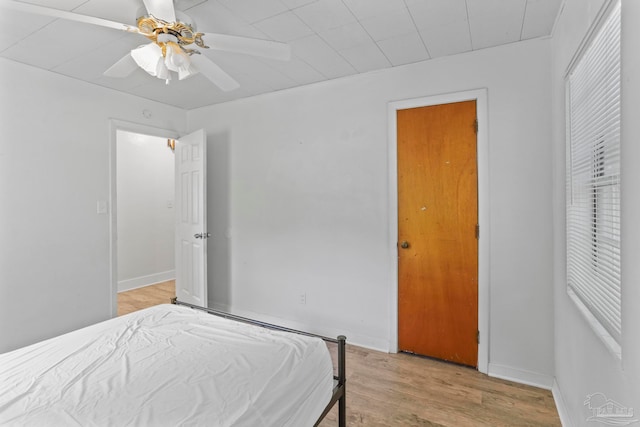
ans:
x=329 y=39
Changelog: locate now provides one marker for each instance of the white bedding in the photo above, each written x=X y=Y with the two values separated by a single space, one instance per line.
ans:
x=167 y=366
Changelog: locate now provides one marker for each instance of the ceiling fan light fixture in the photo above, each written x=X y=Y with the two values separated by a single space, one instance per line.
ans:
x=162 y=72
x=160 y=60
x=187 y=71
x=147 y=57
x=176 y=58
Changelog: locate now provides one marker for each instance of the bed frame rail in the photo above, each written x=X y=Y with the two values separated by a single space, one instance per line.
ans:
x=339 y=389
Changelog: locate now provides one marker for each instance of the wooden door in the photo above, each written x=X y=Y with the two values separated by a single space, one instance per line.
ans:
x=191 y=218
x=437 y=226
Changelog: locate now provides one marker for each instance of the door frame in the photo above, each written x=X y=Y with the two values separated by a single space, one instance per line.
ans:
x=114 y=126
x=480 y=96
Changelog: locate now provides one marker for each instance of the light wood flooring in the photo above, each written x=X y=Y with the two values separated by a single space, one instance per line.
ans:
x=140 y=298
x=404 y=390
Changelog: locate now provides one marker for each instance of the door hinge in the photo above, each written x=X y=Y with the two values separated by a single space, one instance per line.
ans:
x=475 y=126
x=478 y=337
x=477 y=231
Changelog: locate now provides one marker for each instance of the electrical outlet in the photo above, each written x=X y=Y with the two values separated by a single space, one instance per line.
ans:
x=302 y=298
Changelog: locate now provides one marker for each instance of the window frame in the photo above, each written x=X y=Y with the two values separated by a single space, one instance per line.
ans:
x=602 y=187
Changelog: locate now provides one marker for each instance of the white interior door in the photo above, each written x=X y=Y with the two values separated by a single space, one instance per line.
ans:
x=191 y=219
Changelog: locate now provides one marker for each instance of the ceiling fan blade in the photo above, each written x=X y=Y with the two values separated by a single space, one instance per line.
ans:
x=257 y=47
x=63 y=14
x=123 y=68
x=162 y=9
x=214 y=73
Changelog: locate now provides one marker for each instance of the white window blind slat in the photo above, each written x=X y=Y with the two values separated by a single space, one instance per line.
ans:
x=593 y=176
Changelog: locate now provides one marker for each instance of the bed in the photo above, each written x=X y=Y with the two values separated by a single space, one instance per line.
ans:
x=174 y=364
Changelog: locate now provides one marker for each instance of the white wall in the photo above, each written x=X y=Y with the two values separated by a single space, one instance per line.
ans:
x=583 y=363
x=298 y=193
x=146 y=219
x=54 y=167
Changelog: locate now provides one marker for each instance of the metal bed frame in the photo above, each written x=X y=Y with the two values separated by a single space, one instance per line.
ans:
x=339 y=388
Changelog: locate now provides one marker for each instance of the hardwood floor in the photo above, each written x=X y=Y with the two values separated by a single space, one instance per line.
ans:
x=404 y=390
x=140 y=298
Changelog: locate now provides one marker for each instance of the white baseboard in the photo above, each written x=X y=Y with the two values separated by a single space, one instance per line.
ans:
x=561 y=406
x=521 y=376
x=142 y=281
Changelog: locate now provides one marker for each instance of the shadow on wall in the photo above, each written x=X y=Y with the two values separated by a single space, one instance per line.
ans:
x=219 y=220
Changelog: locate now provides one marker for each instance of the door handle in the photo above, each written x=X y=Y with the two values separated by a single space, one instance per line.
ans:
x=202 y=235
x=404 y=244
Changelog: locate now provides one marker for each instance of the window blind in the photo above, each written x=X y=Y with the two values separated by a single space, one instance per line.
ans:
x=593 y=176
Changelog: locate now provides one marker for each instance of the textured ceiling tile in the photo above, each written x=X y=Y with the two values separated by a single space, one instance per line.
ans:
x=212 y=17
x=293 y=4
x=60 y=42
x=366 y=57
x=346 y=36
x=298 y=70
x=495 y=22
x=124 y=11
x=315 y=52
x=14 y=26
x=444 y=40
x=443 y=25
x=539 y=18
x=185 y=5
x=383 y=27
x=325 y=14
x=238 y=65
x=255 y=10
x=404 y=49
x=284 y=27
x=57 y=4
x=428 y=13
x=369 y=8
x=94 y=63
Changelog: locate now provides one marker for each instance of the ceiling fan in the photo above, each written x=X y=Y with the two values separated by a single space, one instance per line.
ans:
x=173 y=50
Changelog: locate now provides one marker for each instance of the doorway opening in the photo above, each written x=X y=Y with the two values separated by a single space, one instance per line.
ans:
x=145 y=188
x=480 y=98
x=142 y=219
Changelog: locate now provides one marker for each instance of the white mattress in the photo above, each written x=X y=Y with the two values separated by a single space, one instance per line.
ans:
x=167 y=366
